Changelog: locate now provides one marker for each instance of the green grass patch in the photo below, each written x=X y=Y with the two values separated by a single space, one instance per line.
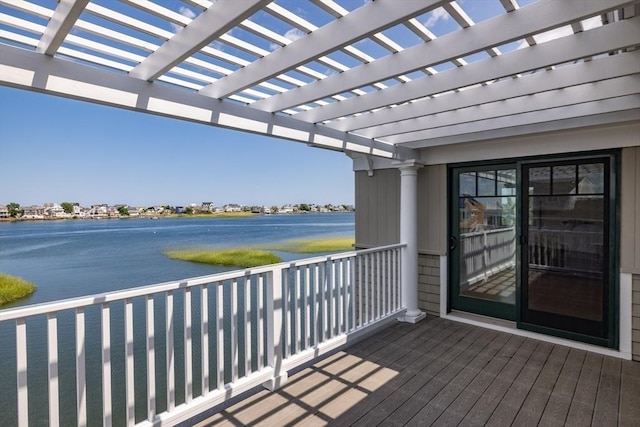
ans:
x=14 y=288
x=239 y=257
x=307 y=246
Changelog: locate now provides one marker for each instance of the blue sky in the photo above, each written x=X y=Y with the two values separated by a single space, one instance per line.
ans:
x=54 y=150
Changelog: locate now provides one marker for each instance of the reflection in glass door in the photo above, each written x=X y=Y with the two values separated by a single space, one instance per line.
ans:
x=566 y=227
x=483 y=242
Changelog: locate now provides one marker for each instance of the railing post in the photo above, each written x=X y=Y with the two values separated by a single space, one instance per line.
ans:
x=275 y=321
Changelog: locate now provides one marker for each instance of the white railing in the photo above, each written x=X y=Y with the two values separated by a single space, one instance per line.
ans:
x=158 y=355
x=485 y=253
x=579 y=251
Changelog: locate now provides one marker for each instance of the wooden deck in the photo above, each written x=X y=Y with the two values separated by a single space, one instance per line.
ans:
x=444 y=373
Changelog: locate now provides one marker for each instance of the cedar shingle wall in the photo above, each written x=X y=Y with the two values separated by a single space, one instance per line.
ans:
x=429 y=284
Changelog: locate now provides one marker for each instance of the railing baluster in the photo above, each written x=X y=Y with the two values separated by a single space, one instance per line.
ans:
x=21 y=367
x=393 y=279
x=107 y=417
x=248 y=313
x=379 y=285
x=359 y=260
x=297 y=310
x=234 y=330
x=330 y=301
x=170 y=362
x=188 y=348
x=307 y=306
x=352 y=290
x=286 y=312
x=340 y=297
x=367 y=282
x=317 y=304
x=204 y=337
x=81 y=378
x=129 y=368
x=324 y=325
x=220 y=335
x=151 y=361
x=261 y=321
x=385 y=278
x=52 y=371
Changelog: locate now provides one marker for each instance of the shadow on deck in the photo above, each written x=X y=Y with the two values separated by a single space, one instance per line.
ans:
x=440 y=372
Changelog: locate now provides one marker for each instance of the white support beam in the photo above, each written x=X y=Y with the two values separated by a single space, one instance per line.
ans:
x=535 y=18
x=207 y=27
x=28 y=70
x=389 y=120
x=572 y=96
x=457 y=142
x=60 y=24
x=446 y=135
x=607 y=38
x=363 y=22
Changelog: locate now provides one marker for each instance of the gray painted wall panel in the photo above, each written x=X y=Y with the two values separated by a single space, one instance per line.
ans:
x=432 y=209
x=377 y=208
x=630 y=211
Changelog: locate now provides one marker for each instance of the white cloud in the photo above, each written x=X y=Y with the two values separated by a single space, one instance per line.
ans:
x=436 y=15
x=186 y=12
x=548 y=36
x=294 y=34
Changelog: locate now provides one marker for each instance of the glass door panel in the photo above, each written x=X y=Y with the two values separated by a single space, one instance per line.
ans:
x=484 y=241
x=565 y=276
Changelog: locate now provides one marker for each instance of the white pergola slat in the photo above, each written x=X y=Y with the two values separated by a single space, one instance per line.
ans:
x=208 y=26
x=370 y=19
x=589 y=43
x=416 y=115
x=370 y=78
x=517 y=25
x=61 y=23
x=540 y=102
x=613 y=110
x=29 y=70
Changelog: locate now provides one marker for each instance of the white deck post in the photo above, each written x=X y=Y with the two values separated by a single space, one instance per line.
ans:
x=409 y=236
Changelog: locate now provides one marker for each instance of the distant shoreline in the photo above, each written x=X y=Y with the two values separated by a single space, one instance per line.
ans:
x=154 y=217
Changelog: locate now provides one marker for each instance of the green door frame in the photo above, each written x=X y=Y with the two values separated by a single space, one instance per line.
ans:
x=613 y=301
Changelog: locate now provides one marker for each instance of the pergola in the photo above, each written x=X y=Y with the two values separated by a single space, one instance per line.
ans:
x=367 y=78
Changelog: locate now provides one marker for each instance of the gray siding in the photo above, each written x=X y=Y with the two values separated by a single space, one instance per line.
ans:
x=635 y=319
x=432 y=210
x=630 y=211
x=377 y=208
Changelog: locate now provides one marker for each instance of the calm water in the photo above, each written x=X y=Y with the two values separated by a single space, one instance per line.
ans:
x=74 y=258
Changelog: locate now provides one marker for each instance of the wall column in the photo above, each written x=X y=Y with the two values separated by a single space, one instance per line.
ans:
x=409 y=236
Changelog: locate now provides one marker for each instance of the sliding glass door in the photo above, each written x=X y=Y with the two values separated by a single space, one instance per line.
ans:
x=534 y=241
x=566 y=224
x=483 y=240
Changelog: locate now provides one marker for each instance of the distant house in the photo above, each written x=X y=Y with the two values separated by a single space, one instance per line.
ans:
x=286 y=209
x=232 y=208
x=4 y=212
x=33 y=212
x=207 y=207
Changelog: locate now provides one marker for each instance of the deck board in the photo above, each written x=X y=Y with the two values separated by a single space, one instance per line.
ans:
x=443 y=373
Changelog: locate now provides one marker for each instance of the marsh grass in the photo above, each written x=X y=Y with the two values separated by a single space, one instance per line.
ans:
x=308 y=246
x=239 y=257
x=14 y=288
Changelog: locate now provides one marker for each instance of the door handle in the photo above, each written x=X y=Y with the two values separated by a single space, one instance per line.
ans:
x=453 y=242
